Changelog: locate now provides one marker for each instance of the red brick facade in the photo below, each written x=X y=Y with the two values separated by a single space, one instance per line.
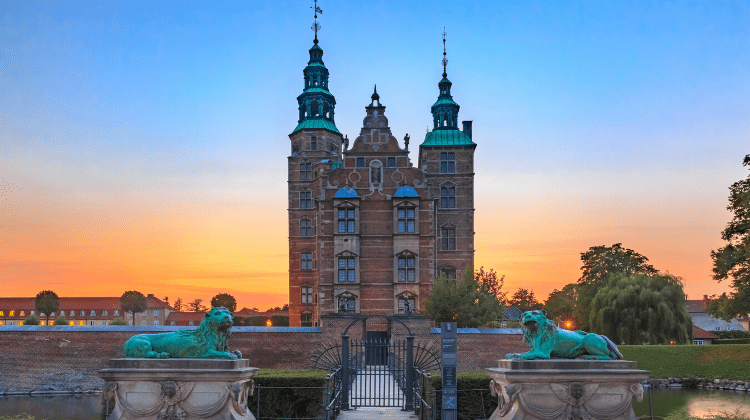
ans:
x=369 y=231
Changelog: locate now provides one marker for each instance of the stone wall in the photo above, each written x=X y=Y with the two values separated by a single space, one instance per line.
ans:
x=65 y=358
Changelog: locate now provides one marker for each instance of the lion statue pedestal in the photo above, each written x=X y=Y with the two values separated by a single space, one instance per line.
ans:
x=179 y=389
x=566 y=389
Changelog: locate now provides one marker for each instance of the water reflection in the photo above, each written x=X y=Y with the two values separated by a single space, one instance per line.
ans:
x=58 y=407
x=681 y=403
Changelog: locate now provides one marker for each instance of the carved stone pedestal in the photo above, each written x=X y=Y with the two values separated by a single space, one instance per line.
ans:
x=179 y=389
x=566 y=389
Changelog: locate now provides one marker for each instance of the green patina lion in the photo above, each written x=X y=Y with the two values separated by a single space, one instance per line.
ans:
x=547 y=341
x=208 y=341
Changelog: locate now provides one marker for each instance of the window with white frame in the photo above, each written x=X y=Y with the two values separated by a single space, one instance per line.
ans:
x=347 y=270
x=83 y=313
x=447 y=163
x=93 y=312
x=156 y=313
x=105 y=312
x=307 y=294
x=305 y=171
x=406 y=220
x=448 y=197
x=305 y=227
x=448 y=238
x=346 y=220
x=698 y=342
x=407 y=268
x=305 y=199
x=306 y=262
x=117 y=312
x=156 y=323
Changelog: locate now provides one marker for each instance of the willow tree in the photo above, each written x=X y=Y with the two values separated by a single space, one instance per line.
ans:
x=642 y=309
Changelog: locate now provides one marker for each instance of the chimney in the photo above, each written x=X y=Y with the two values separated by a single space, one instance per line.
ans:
x=705 y=298
x=150 y=295
x=467 y=128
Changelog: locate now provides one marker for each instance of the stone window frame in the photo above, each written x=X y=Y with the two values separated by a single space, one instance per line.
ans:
x=376 y=167
x=305 y=170
x=400 y=308
x=447 y=162
x=445 y=237
x=306 y=260
x=313 y=141
x=405 y=255
x=306 y=291
x=346 y=206
x=352 y=302
x=305 y=199
x=360 y=162
x=305 y=227
x=448 y=195
x=448 y=271
x=348 y=256
x=405 y=204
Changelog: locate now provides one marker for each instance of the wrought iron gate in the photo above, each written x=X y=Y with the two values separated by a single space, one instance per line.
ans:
x=380 y=373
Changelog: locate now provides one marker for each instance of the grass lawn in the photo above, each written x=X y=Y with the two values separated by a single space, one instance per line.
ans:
x=726 y=361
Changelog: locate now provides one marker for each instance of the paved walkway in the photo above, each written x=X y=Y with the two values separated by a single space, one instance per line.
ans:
x=374 y=413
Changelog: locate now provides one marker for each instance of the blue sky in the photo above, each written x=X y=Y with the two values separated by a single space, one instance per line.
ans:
x=596 y=123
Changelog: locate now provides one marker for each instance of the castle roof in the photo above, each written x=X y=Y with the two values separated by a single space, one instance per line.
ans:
x=451 y=137
x=406 y=191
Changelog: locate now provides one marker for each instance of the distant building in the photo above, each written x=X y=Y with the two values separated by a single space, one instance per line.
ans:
x=84 y=311
x=368 y=230
x=185 y=319
x=697 y=311
x=702 y=337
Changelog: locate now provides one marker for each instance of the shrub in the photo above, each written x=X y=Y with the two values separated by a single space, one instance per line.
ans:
x=118 y=321
x=280 y=321
x=282 y=396
x=255 y=321
x=31 y=320
x=474 y=399
x=61 y=320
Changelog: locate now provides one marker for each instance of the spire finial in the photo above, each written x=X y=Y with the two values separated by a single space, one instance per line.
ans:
x=445 y=60
x=375 y=97
x=316 y=25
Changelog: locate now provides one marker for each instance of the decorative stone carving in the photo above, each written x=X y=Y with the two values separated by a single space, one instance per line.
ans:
x=179 y=389
x=566 y=389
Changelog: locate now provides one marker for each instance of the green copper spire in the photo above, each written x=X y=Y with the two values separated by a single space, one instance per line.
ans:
x=316 y=103
x=445 y=111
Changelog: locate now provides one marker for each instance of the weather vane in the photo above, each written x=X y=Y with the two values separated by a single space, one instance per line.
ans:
x=316 y=25
x=445 y=60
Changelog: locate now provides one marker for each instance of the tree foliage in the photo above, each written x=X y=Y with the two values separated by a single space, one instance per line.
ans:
x=31 y=320
x=463 y=301
x=197 y=306
x=732 y=262
x=178 y=305
x=118 y=321
x=599 y=264
x=524 y=300
x=133 y=301
x=642 y=309
x=489 y=282
x=61 y=320
x=561 y=304
x=226 y=300
x=47 y=302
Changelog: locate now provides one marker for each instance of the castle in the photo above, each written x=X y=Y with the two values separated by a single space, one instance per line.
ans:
x=369 y=231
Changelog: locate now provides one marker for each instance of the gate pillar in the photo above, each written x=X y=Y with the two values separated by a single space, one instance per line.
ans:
x=409 y=388
x=344 y=372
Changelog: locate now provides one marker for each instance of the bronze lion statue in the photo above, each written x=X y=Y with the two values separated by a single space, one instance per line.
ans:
x=549 y=342
x=208 y=341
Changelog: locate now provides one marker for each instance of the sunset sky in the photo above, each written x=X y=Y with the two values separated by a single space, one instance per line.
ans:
x=143 y=144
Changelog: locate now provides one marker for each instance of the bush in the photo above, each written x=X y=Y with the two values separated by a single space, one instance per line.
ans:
x=732 y=341
x=280 y=321
x=61 y=320
x=118 y=321
x=255 y=321
x=31 y=320
x=732 y=334
x=474 y=399
x=281 y=395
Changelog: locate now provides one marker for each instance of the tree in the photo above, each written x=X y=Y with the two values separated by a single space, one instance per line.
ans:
x=733 y=260
x=463 y=301
x=117 y=321
x=61 y=320
x=285 y=307
x=197 y=306
x=642 y=309
x=489 y=282
x=133 y=301
x=166 y=300
x=226 y=300
x=524 y=300
x=561 y=304
x=178 y=305
x=599 y=264
x=31 y=320
x=47 y=302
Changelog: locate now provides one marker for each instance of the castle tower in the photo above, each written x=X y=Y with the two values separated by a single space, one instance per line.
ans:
x=447 y=158
x=315 y=146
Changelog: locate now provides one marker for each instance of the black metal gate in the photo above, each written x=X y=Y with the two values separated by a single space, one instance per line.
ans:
x=377 y=372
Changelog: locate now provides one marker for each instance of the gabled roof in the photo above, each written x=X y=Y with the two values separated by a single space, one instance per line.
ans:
x=699 y=333
x=451 y=137
x=694 y=306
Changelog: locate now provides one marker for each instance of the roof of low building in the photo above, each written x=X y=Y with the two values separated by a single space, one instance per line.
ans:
x=701 y=334
x=185 y=316
x=442 y=137
x=79 y=303
x=696 y=305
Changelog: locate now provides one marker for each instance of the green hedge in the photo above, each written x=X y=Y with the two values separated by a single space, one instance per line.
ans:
x=474 y=399
x=729 y=361
x=294 y=394
x=731 y=341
